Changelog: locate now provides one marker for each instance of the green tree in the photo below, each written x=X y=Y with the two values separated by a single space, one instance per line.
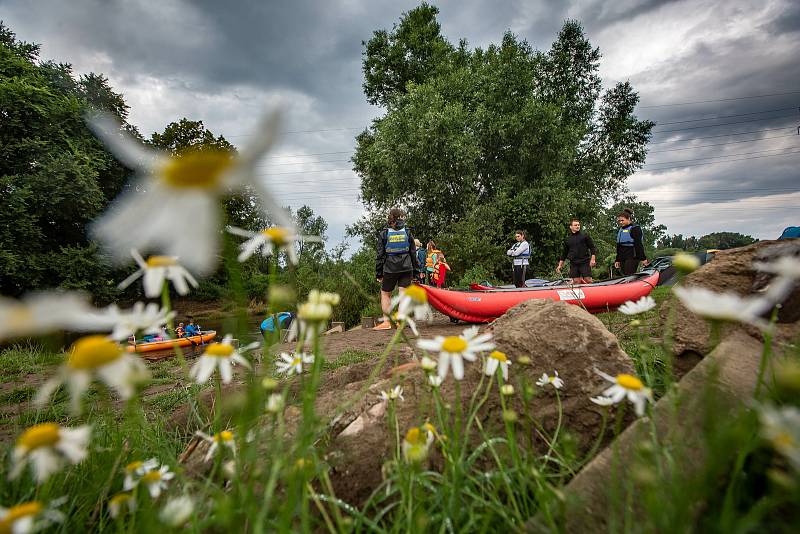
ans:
x=412 y=52
x=54 y=175
x=490 y=140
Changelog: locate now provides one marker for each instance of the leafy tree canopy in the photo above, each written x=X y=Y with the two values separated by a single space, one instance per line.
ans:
x=476 y=143
x=715 y=240
x=54 y=175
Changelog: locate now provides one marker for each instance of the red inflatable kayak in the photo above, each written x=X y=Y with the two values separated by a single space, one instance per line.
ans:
x=487 y=304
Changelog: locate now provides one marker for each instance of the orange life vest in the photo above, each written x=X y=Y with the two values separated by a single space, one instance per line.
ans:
x=429 y=265
x=437 y=269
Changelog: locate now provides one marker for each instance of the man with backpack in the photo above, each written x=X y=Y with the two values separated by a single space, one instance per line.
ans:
x=396 y=261
x=579 y=249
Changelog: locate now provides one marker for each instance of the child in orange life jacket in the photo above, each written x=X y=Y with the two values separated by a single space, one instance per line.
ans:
x=431 y=259
x=440 y=270
x=179 y=330
x=396 y=261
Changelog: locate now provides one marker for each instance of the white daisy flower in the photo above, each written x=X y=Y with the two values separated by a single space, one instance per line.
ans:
x=428 y=364
x=435 y=380
x=497 y=359
x=292 y=364
x=96 y=357
x=454 y=349
x=120 y=504
x=685 y=263
x=275 y=403
x=642 y=305
x=177 y=512
x=723 y=306
x=155 y=480
x=158 y=269
x=554 y=380
x=781 y=427
x=416 y=445
x=29 y=517
x=413 y=306
x=271 y=240
x=220 y=439
x=219 y=355
x=48 y=447
x=785 y=267
x=393 y=394
x=41 y=313
x=602 y=401
x=625 y=386
x=180 y=191
x=135 y=470
x=146 y=319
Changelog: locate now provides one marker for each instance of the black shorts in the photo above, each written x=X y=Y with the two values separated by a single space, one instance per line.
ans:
x=392 y=280
x=579 y=270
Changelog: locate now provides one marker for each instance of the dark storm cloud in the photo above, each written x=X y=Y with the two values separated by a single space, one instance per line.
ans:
x=221 y=62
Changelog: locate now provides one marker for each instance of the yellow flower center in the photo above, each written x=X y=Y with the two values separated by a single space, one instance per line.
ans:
x=277 y=235
x=429 y=428
x=219 y=350
x=161 y=261
x=454 y=344
x=224 y=436
x=91 y=352
x=120 y=498
x=417 y=294
x=499 y=356
x=151 y=477
x=297 y=361
x=133 y=466
x=17 y=512
x=43 y=435
x=783 y=441
x=629 y=382
x=197 y=169
x=415 y=437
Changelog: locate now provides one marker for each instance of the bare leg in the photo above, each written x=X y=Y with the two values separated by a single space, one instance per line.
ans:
x=386 y=304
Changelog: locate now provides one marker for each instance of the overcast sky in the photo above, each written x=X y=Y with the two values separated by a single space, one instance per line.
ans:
x=225 y=62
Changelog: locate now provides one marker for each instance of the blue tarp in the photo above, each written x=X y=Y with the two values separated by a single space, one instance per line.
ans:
x=284 y=318
x=791 y=231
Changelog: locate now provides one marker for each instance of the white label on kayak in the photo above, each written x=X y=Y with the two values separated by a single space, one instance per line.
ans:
x=571 y=294
x=474 y=299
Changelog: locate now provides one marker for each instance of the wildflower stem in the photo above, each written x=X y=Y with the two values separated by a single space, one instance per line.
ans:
x=765 y=353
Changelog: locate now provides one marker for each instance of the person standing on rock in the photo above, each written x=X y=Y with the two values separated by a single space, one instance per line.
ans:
x=396 y=261
x=520 y=252
x=630 y=249
x=579 y=249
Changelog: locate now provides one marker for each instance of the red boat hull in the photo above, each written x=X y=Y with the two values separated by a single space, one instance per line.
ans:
x=484 y=306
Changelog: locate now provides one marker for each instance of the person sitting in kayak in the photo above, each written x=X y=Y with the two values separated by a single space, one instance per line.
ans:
x=579 y=249
x=180 y=331
x=630 y=249
x=396 y=261
x=191 y=328
x=520 y=251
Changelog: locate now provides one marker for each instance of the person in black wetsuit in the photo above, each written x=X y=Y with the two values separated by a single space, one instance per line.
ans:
x=579 y=249
x=395 y=262
x=630 y=249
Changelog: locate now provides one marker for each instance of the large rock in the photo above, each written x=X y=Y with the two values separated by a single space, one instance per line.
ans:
x=731 y=270
x=553 y=335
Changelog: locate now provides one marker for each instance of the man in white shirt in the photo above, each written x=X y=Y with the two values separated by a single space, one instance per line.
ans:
x=521 y=251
